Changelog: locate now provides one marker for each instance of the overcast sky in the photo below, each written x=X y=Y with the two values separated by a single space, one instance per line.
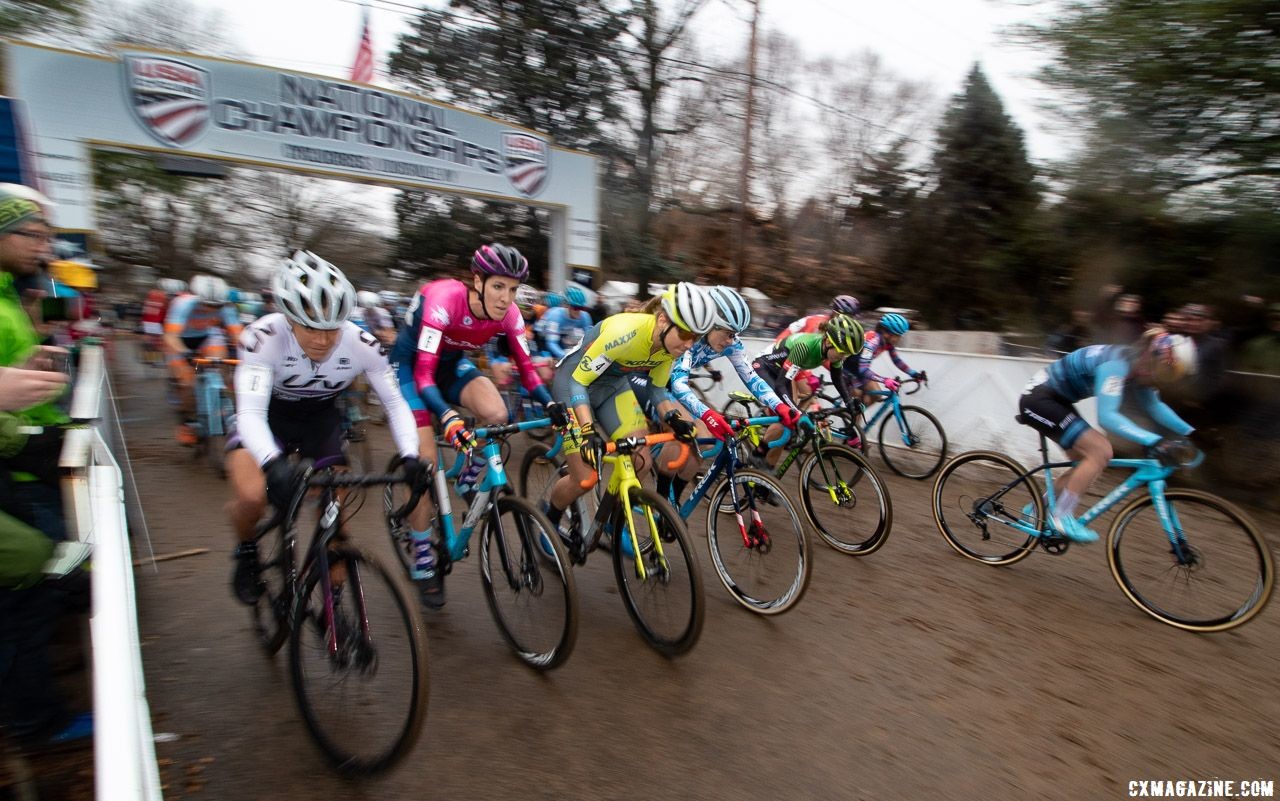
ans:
x=933 y=40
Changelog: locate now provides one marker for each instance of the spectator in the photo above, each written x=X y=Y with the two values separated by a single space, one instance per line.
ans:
x=30 y=705
x=1124 y=324
x=1072 y=336
x=31 y=472
x=1262 y=353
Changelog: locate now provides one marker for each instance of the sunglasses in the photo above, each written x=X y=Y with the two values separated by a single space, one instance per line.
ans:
x=37 y=235
x=685 y=336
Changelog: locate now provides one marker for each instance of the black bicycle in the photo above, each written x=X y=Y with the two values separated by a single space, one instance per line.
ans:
x=357 y=647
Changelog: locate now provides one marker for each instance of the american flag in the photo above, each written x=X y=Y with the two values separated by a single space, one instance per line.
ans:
x=362 y=69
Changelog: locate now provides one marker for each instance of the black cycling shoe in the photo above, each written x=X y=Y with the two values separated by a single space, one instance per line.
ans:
x=431 y=588
x=244 y=580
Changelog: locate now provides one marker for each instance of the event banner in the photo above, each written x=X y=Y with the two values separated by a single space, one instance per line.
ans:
x=259 y=116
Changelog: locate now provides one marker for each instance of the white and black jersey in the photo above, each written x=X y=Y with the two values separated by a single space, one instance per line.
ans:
x=277 y=384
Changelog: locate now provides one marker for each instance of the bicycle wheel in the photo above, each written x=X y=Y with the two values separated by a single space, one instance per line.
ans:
x=666 y=605
x=1224 y=577
x=538 y=474
x=764 y=565
x=358 y=657
x=215 y=445
x=741 y=408
x=977 y=497
x=917 y=450
x=271 y=612
x=845 y=500
x=531 y=593
x=395 y=496
x=357 y=448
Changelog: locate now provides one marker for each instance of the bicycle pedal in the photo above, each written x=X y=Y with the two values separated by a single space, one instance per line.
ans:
x=1055 y=544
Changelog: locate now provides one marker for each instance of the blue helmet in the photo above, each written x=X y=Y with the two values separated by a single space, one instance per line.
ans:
x=732 y=312
x=895 y=324
x=552 y=299
x=575 y=296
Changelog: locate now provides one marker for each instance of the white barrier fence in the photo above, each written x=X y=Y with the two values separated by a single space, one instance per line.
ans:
x=974 y=396
x=124 y=750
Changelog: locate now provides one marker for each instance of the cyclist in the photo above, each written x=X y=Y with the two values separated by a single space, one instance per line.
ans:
x=550 y=300
x=884 y=339
x=201 y=321
x=154 y=309
x=294 y=364
x=1157 y=359
x=564 y=326
x=593 y=381
x=370 y=315
x=840 y=304
x=732 y=317
x=447 y=318
x=836 y=341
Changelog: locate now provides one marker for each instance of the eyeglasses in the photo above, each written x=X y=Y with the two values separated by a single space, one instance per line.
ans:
x=42 y=236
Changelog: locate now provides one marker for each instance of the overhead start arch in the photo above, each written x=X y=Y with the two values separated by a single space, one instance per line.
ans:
x=202 y=107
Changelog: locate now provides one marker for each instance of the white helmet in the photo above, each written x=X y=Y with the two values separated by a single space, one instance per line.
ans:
x=389 y=299
x=732 y=312
x=367 y=299
x=210 y=289
x=689 y=307
x=312 y=292
x=171 y=286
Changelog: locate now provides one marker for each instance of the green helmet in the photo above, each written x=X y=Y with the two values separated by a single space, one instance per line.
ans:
x=844 y=333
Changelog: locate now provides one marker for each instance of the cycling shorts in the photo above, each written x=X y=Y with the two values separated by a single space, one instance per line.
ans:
x=1046 y=411
x=453 y=372
x=614 y=405
x=312 y=430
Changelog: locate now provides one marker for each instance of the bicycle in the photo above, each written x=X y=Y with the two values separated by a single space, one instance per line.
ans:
x=916 y=445
x=832 y=489
x=518 y=577
x=215 y=410
x=348 y=624
x=354 y=428
x=990 y=509
x=763 y=565
x=703 y=381
x=648 y=574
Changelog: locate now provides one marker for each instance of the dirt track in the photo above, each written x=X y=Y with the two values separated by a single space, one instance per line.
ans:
x=908 y=674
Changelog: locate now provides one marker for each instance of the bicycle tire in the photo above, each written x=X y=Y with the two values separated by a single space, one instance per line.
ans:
x=1219 y=536
x=928 y=449
x=271 y=613
x=687 y=625
x=541 y=576
x=737 y=408
x=538 y=474
x=975 y=497
x=767 y=581
x=379 y=635
x=862 y=528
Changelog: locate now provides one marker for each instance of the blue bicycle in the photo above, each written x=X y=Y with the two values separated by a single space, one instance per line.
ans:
x=911 y=440
x=530 y=591
x=1185 y=557
x=758 y=546
x=215 y=410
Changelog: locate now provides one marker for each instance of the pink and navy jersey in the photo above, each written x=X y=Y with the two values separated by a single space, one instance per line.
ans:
x=439 y=322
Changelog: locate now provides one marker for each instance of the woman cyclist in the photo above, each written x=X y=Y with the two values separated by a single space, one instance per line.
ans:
x=732 y=316
x=1157 y=359
x=840 y=304
x=884 y=339
x=838 y=340
x=446 y=319
x=592 y=379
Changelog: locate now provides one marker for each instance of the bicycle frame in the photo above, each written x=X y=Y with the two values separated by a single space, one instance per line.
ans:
x=493 y=482
x=208 y=392
x=892 y=401
x=794 y=453
x=1148 y=473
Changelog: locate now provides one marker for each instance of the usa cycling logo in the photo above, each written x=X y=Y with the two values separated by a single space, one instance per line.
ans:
x=170 y=98
x=527 y=159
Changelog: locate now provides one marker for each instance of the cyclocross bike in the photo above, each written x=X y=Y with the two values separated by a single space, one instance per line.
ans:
x=758 y=546
x=215 y=410
x=357 y=646
x=531 y=592
x=1187 y=558
x=910 y=439
x=657 y=576
x=843 y=497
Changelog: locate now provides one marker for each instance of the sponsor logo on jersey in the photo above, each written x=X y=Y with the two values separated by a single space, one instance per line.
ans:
x=169 y=98
x=439 y=315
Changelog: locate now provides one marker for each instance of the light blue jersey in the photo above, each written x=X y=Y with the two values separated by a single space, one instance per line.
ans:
x=702 y=354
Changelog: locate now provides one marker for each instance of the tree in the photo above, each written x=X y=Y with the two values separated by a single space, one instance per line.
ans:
x=1191 y=85
x=974 y=230
x=25 y=17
